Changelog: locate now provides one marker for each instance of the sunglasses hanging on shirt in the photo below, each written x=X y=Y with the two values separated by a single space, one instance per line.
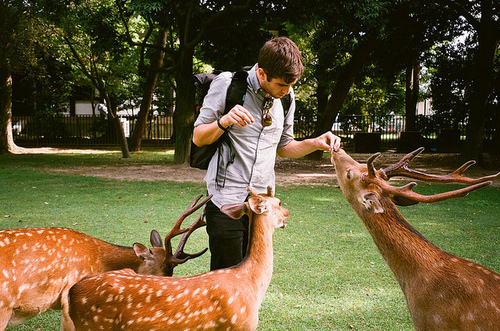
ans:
x=267 y=120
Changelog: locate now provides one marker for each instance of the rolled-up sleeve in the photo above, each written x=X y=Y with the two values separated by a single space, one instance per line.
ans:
x=287 y=135
x=215 y=100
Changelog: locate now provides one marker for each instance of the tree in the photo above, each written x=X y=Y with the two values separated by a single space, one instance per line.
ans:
x=483 y=20
x=343 y=35
x=188 y=25
x=148 y=91
x=99 y=53
x=17 y=36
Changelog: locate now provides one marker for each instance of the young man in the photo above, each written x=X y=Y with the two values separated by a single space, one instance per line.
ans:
x=257 y=131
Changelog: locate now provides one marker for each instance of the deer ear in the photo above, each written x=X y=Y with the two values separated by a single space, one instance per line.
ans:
x=142 y=252
x=371 y=203
x=235 y=210
x=156 y=239
x=258 y=204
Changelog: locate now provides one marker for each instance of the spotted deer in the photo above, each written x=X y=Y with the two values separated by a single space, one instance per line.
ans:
x=225 y=299
x=443 y=291
x=39 y=265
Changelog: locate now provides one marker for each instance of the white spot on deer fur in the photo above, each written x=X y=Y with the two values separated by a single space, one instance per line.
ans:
x=234 y=319
x=243 y=309
x=230 y=300
x=437 y=319
x=5 y=273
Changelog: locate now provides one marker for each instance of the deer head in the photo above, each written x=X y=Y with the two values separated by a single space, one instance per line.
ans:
x=362 y=185
x=259 y=205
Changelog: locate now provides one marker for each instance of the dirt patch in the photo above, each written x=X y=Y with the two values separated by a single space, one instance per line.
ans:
x=289 y=171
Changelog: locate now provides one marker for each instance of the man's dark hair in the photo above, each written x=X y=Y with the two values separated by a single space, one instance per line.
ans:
x=281 y=58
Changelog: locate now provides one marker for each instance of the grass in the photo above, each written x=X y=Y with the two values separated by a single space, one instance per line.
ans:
x=328 y=274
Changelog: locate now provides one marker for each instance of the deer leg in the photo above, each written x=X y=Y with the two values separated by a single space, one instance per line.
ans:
x=5 y=314
x=66 y=322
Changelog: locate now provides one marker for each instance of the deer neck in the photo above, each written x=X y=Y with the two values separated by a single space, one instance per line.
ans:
x=116 y=257
x=257 y=266
x=404 y=249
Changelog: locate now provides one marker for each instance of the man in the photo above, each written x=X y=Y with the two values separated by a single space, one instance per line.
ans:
x=257 y=131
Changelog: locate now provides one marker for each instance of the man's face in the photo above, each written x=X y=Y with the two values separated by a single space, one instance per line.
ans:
x=277 y=87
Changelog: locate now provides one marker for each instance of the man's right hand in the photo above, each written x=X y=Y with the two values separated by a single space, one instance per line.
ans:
x=238 y=115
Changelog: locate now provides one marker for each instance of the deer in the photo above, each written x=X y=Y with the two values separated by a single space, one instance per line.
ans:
x=39 y=265
x=224 y=299
x=442 y=291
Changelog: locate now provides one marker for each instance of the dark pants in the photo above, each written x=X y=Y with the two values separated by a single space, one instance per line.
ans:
x=227 y=237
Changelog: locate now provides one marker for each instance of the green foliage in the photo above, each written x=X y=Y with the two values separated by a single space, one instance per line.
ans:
x=328 y=274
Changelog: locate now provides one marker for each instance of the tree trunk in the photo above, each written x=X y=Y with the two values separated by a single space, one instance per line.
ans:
x=184 y=107
x=121 y=137
x=147 y=96
x=346 y=79
x=412 y=91
x=117 y=125
x=7 y=144
x=481 y=89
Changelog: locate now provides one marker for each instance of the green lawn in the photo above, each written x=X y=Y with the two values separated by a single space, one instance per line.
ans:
x=328 y=274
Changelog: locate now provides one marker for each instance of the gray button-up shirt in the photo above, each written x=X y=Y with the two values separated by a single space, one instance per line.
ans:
x=254 y=146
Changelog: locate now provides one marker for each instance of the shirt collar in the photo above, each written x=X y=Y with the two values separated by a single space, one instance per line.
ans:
x=254 y=82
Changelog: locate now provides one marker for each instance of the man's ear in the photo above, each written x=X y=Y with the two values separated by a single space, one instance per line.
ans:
x=235 y=210
x=261 y=74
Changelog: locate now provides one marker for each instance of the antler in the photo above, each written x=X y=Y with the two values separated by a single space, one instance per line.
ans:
x=172 y=260
x=405 y=196
x=252 y=193
x=401 y=169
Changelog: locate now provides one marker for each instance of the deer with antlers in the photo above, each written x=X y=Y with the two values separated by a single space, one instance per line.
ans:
x=443 y=291
x=39 y=265
x=225 y=299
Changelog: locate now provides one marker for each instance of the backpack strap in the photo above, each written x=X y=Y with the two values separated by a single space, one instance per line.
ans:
x=237 y=90
x=235 y=96
x=286 y=101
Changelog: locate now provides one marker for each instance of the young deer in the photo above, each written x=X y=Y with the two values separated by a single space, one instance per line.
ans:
x=226 y=299
x=39 y=265
x=443 y=291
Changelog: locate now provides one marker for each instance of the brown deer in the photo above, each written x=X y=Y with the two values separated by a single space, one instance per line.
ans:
x=443 y=291
x=225 y=299
x=39 y=265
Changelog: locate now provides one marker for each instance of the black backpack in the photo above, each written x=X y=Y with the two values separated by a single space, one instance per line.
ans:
x=200 y=156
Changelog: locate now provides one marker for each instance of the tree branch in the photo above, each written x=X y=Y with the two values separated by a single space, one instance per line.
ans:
x=461 y=10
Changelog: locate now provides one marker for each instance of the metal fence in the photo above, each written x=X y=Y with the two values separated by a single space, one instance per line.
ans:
x=373 y=132
x=86 y=130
